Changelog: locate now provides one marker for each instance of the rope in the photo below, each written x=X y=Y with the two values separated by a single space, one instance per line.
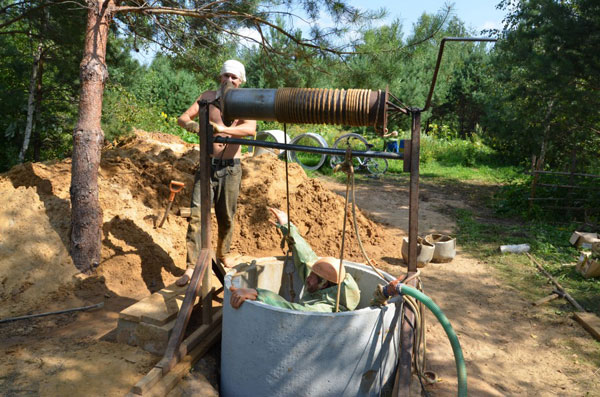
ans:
x=420 y=341
x=326 y=106
x=347 y=166
x=371 y=262
x=287 y=199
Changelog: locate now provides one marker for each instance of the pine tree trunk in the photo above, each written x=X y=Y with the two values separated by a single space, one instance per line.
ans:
x=86 y=214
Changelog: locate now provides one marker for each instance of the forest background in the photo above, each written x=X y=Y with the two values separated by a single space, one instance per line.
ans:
x=534 y=93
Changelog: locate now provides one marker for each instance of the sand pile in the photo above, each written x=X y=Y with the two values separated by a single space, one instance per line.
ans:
x=37 y=274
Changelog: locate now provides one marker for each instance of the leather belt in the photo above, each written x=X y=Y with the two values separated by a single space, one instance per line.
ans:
x=224 y=162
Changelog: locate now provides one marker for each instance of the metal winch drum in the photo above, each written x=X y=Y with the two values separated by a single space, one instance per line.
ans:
x=270 y=351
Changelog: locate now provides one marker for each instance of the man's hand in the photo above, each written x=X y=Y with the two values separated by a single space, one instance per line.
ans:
x=239 y=295
x=192 y=126
x=281 y=216
x=218 y=129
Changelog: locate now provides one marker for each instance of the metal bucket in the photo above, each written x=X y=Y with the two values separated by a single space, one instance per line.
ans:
x=445 y=247
x=270 y=351
x=425 y=251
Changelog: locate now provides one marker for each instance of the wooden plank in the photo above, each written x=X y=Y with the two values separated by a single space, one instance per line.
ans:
x=147 y=381
x=186 y=309
x=158 y=308
x=558 y=286
x=206 y=293
x=168 y=382
x=191 y=348
x=166 y=363
x=546 y=299
x=191 y=341
x=590 y=322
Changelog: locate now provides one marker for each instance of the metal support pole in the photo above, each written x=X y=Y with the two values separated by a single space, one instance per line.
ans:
x=206 y=146
x=407 y=337
x=413 y=201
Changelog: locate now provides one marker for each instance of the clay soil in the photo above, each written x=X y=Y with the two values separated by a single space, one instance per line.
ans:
x=510 y=347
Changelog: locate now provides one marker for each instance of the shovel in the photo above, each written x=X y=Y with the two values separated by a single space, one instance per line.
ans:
x=175 y=187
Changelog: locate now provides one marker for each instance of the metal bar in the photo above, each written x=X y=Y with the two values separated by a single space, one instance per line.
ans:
x=562 y=173
x=413 y=201
x=309 y=149
x=407 y=332
x=564 y=208
x=569 y=186
x=558 y=199
x=77 y=309
x=206 y=146
x=439 y=61
x=206 y=138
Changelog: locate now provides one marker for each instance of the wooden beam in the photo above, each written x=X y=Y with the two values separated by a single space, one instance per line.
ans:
x=546 y=299
x=155 y=383
x=183 y=316
x=590 y=322
x=558 y=286
x=187 y=348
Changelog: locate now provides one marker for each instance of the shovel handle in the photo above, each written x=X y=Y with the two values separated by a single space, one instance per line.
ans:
x=175 y=187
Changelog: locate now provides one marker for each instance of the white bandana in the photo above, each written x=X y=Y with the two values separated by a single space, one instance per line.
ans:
x=234 y=67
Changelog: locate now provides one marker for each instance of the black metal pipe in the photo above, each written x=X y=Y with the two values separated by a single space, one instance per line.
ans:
x=309 y=149
x=439 y=61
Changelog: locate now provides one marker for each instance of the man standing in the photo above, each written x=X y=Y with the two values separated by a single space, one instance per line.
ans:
x=226 y=170
x=320 y=275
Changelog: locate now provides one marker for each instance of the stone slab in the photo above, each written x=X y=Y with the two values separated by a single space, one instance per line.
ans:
x=153 y=338
x=158 y=308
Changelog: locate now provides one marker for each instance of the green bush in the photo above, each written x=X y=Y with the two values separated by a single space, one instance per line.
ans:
x=123 y=112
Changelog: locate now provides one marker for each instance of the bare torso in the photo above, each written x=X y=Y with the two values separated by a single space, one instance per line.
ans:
x=221 y=150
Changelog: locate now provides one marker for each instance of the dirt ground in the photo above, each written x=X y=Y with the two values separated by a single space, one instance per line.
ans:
x=510 y=347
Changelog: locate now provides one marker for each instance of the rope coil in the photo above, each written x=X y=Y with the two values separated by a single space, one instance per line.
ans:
x=354 y=107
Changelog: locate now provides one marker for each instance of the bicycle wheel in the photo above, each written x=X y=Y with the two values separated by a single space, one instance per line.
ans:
x=376 y=166
x=356 y=142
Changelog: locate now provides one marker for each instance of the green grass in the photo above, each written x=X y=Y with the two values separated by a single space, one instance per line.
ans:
x=477 y=170
x=483 y=173
x=482 y=238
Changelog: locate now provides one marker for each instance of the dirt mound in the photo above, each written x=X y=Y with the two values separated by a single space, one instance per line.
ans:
x=37 y=273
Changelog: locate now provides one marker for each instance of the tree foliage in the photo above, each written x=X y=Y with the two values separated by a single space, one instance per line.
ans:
x=545 y=96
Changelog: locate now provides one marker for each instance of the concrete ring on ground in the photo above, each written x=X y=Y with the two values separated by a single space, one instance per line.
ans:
x=271 y=351
x=270 y=136
x=311 y=136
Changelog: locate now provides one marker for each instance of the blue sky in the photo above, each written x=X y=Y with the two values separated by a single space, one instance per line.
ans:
x=477 y=14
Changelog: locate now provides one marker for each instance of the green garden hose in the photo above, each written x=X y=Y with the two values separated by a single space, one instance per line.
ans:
x=461 y=368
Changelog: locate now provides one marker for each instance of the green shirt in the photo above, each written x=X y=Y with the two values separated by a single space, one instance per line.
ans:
x=318 y=301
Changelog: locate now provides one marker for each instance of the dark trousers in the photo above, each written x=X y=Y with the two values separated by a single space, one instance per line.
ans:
x=225 y=184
